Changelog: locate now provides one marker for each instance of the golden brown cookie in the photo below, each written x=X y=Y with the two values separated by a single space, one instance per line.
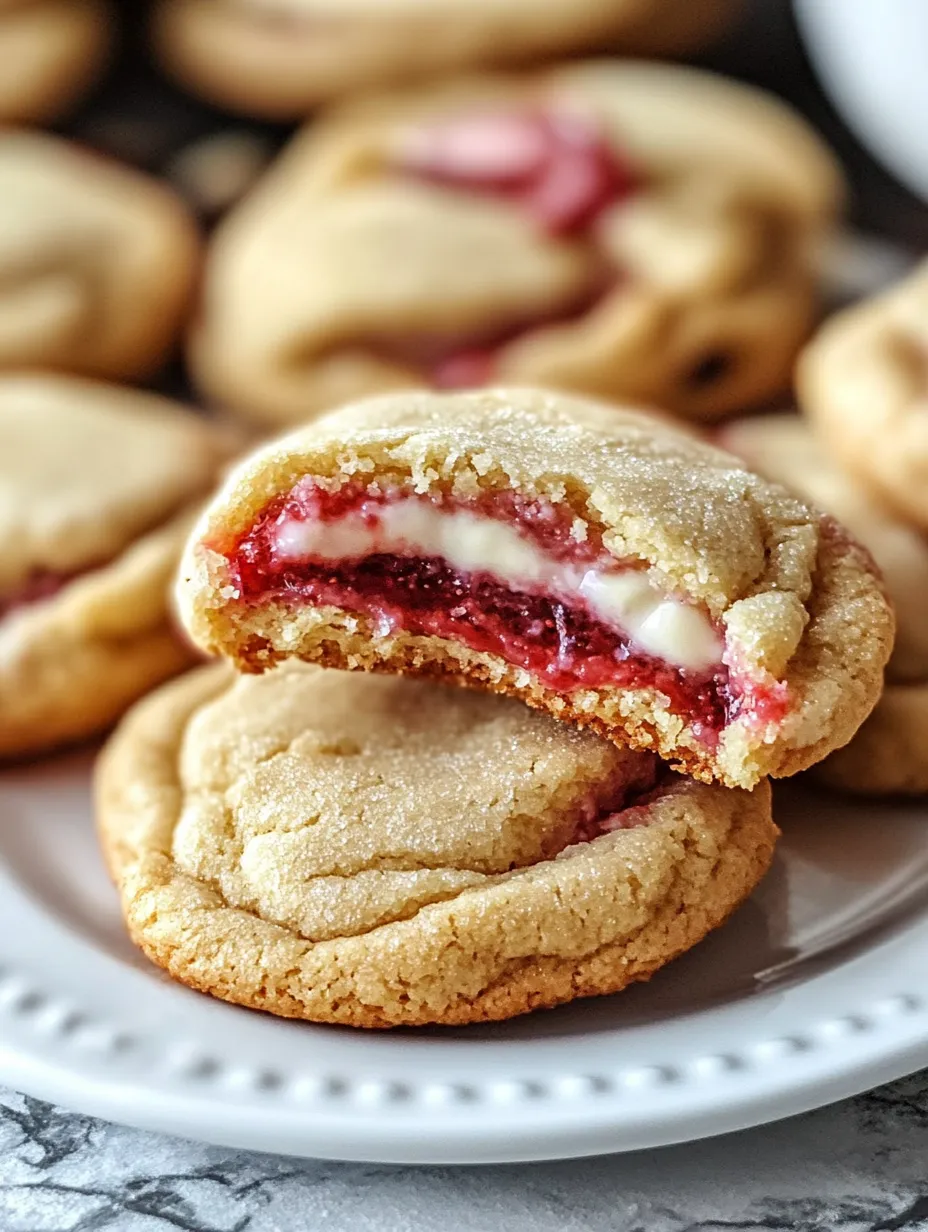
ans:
x=96 y=485
x=889 y=754
x=627 y=230
x=280 y=58
x=51 y=51
x=783 y=448
x=863 y=381
x=428 y=856
x=97 y=261
x=590 y=560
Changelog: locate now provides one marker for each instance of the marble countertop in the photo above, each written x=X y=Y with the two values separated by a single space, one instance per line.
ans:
x=859 y=1166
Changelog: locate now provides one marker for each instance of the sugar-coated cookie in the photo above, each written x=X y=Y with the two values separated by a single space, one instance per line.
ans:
x=889 y=755
x=588 y=559
x=51 y=51
x=280 y=58
x=96 y=485
x=628 y=230
x=863 y=380
x=430 y=856
x=97 y=261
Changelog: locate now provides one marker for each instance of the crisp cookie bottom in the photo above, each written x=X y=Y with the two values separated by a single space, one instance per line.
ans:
x=596 y=917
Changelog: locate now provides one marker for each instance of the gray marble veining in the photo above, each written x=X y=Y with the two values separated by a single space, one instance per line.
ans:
x=859 y=1166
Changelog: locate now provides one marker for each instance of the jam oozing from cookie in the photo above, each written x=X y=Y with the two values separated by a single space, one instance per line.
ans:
x=556 y=166
x=504 y=575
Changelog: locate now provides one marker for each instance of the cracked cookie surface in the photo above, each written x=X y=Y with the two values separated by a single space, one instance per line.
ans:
x=380 y=852
x=590 y=560
x=97 y=492
x=628 y=230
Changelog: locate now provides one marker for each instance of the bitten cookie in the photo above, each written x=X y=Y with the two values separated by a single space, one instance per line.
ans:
x=889 y=754
x=51 y=51
x=628 y=230
x=280 y=58
x=588 y=559
x=97 y=261
x=96 y=485
x=863 y=381
x=430 y=856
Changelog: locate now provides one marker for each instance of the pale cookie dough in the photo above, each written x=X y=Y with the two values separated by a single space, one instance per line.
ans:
x=863 y=381
x=628 y=230
x=889 y=754
x=96 y=491
x=783 y=448
x=590 y=560
x=51 y=52
x=428 y=856
x=280 y=58
x=97 y=261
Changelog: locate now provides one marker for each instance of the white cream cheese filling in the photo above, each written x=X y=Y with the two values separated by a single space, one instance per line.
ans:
x=659 y=624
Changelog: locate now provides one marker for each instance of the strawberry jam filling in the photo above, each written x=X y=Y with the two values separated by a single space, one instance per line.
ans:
x=517 y=578
x=553 y=164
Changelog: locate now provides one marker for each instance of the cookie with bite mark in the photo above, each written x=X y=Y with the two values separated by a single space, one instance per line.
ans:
x=587 y=559
x=98 y=489
x=431 y=856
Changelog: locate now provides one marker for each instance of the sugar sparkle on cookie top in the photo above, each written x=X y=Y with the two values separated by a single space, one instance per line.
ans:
x=97 y=492
x=430 y=855
x=588 y=559
x=628 y=230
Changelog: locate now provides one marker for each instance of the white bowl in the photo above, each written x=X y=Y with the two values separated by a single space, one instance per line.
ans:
x=872 y=56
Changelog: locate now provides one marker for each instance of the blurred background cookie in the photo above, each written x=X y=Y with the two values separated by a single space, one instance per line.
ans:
x=889 y=754
x=51 y=52
x=630 y=230
x=863 y=380
x=97 y=261
x=96 y=491
x=280 y=58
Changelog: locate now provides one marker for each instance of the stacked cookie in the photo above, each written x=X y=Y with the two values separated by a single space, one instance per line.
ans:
x=663 y=628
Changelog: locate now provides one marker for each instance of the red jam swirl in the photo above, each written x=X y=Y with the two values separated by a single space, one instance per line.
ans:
x=565 y=646
x=557 y=167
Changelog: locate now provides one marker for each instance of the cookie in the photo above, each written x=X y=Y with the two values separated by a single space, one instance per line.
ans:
x=589 y=560
x=281 y=58
x=783 y=448
x=97 y=261
x=429 y=857
x=889 y=754
x=96 y=486
x=635 y=231
x=52 y=51
x=863 y=381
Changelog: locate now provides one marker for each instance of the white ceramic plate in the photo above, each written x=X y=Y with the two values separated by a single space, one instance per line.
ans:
x=815 y=990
